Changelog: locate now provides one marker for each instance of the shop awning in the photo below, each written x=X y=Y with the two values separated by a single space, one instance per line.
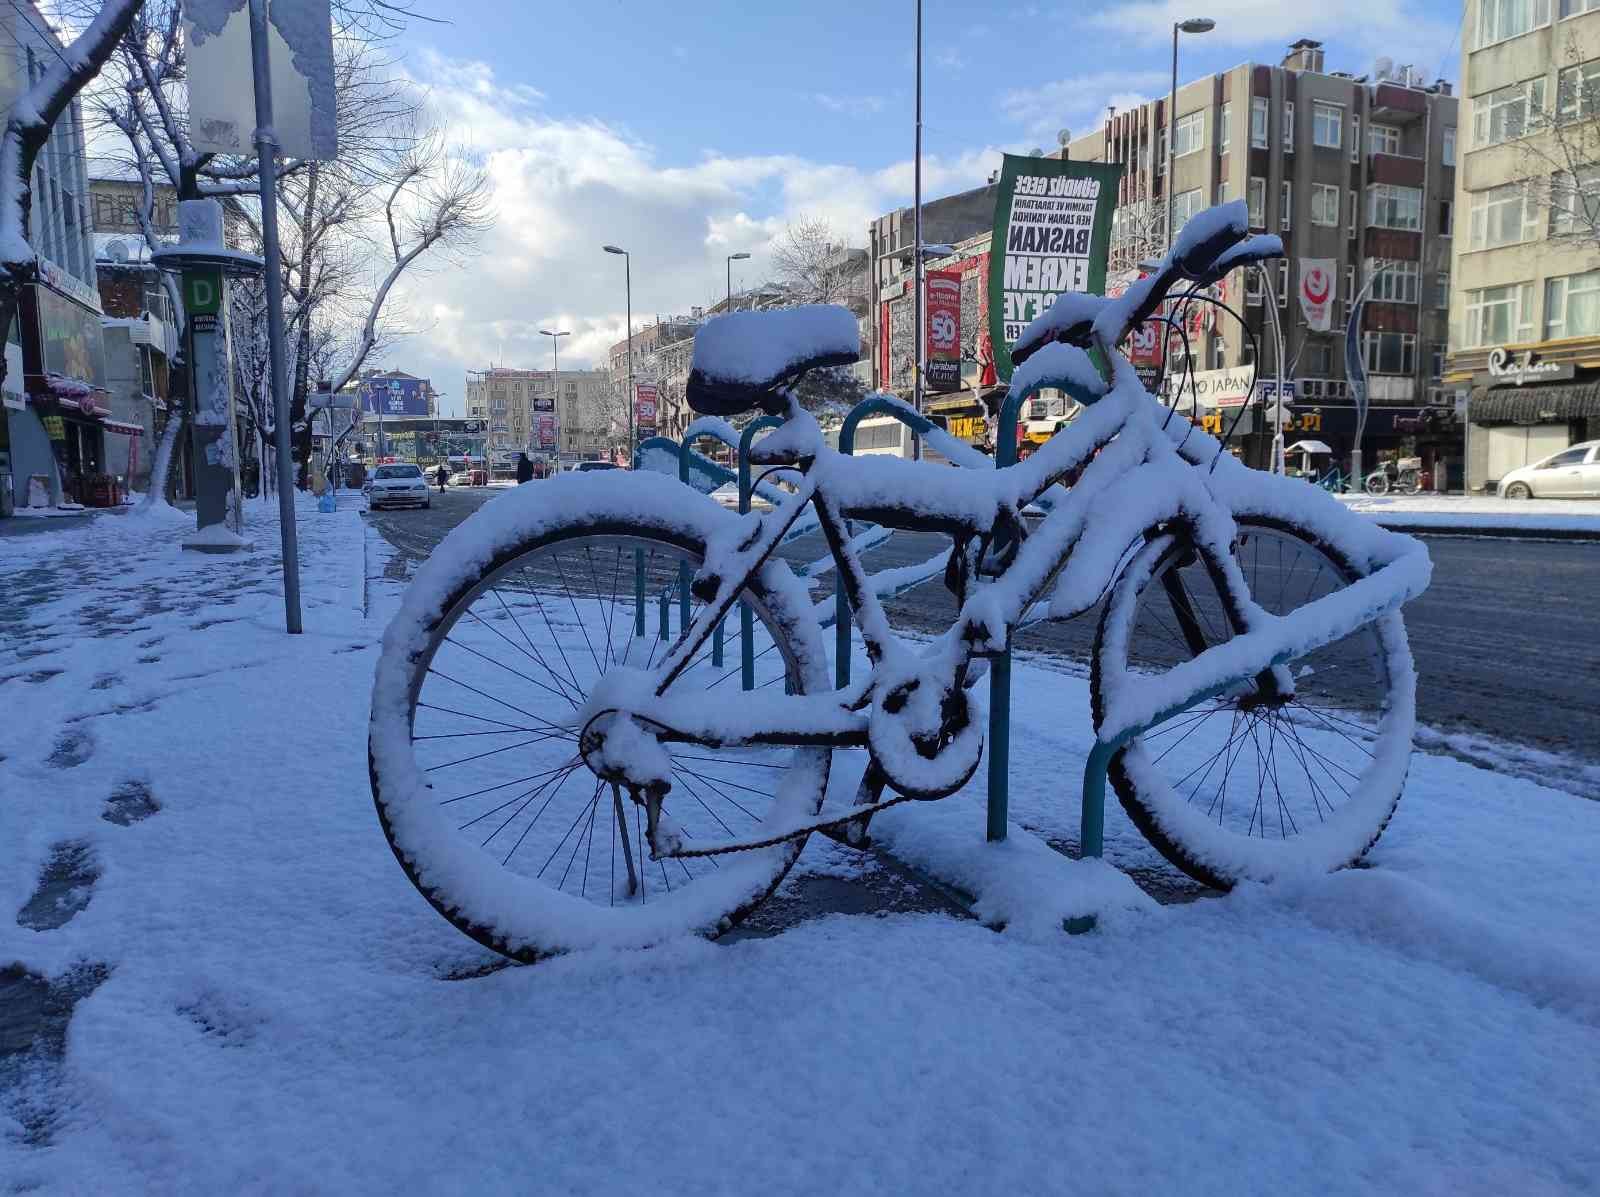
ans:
x=1309 y=447
x=1549 y=404
x=123 y=427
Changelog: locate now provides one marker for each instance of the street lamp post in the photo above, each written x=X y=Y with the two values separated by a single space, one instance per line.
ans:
x=916 y=239
x=1192 y=25
x=732 y=258
x=555 y=378
x=627 y=279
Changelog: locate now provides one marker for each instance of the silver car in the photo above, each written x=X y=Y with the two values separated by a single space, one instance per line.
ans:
x=398 y=485
x=1573 y=473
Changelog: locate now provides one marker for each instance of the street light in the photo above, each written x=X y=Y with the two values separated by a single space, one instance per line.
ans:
x=1192 y=25
x=732 y=258
x=555 y=374
x=627 y=278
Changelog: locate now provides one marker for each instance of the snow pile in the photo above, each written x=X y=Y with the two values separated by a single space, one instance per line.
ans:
x=762 y=347
x=1422 y=512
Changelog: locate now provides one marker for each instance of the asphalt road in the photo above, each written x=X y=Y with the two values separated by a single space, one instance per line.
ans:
x=1506 y=639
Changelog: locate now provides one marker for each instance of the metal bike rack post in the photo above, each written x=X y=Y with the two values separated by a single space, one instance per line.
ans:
x=1005 y=454
x=747 y=655
x=874 y=406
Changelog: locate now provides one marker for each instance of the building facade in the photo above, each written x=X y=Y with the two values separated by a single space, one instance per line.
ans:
x=140 y=339
x=1525 y=302
x=661 y=351
x=1356 y=173
x=523 y=411
x=53 y=436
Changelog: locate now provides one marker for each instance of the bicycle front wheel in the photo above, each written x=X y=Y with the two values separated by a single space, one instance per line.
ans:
x=473 y=744
x=1251 y=785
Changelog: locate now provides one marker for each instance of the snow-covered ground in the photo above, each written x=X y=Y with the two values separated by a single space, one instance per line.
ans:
x=1457 y=511
x=283 y=1013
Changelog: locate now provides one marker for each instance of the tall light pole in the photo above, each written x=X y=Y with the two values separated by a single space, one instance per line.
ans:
x=916 y=238
x=732 y=258
x=1192 y=25
x=555 y=379
x=627 y=278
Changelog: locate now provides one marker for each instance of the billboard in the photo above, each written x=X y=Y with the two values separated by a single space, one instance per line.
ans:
x=405 y=396
x=547 y=432
x=1052 y=231
x=942 y=289
x=646 y=406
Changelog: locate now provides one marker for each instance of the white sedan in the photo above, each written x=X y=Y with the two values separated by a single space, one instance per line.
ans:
x=1573 y=473
x=399 y=485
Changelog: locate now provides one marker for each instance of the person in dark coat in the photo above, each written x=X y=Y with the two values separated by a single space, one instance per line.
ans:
x=524 y=469
x=442 y=476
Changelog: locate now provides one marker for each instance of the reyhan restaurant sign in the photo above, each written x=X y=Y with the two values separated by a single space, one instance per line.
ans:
x=1514 y=369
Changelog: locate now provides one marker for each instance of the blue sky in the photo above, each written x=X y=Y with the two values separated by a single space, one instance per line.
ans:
x=691 y=130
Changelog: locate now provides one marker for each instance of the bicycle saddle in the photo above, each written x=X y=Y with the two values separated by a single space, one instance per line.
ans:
x=744 y=360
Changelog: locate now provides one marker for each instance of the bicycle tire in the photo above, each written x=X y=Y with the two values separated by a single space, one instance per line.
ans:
x=1377 y=484
x=1378 y=723
x=505 y=906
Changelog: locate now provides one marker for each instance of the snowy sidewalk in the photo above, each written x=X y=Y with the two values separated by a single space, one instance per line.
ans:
x=232 y=987
x=1564 y=518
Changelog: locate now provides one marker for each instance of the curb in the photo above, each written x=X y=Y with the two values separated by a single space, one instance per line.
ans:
x=1501 y=531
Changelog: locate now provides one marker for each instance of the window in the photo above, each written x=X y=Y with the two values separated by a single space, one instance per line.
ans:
x=1398 y=282
x=1222 y=192
x=1575 y=202
x=1327 y=125
x=1349 y=290
x=1285 y=203
x=1503 y=115
x=1224 y=123
x=1446 y=218
x=1390 y=352
x=1283 y=282
x=1436 y=364
x=1448 y=154
x=1161 y=152
x=1184 y=205
x=1578 y=91
x=1572 y=306
x=1383 y=139
x=1355 y=210
x=1571 y=8
x=1498 y=316
x=1355 y=138
x=1252 y=286
x=1288 y=126
x=1503 y=215
x=1219 y=353
x=1500 y=19
x=1257 y=196
x=1441 y=292
x=1189 y=134
x=1325 y=204
x=1391 y=207
x=1258 y=122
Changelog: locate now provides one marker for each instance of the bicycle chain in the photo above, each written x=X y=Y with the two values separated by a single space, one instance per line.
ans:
x=859 y=812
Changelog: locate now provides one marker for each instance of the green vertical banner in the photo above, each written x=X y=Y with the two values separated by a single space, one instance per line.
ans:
x=1052 y=232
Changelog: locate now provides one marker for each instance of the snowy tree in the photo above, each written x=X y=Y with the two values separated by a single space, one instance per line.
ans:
x=1560 y=154
x=811 y=264
x=28 y=123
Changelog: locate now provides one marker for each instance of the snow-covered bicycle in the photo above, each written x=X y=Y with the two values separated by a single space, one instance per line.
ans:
x=556 y=767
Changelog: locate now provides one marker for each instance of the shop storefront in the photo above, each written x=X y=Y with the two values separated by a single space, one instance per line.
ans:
x=1525 y=406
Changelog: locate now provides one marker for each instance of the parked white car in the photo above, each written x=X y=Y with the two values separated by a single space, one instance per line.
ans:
x=398 y=485
x=1573 y=473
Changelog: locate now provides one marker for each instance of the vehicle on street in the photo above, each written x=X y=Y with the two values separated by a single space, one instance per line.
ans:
x=1573 y=473
x=583 y=467
x=400 y=485
x=728 y=495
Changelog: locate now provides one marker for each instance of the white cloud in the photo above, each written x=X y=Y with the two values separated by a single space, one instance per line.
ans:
x=565 y=186
x=1079 y=104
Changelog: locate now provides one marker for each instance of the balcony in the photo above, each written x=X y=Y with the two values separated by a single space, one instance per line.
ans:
x=1396 y=105
x=1402 y=170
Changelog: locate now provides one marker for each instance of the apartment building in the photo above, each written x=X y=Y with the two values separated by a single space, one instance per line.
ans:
x=559 y=417
x=661 y=352
x=1356 y=171
x=1525 y=304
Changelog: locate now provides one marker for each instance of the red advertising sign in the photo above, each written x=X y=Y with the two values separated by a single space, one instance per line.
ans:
x=547 y=432
x=942 y=289
x=645 y=406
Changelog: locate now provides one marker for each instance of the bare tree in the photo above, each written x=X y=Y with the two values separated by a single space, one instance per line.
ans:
x=1138 y=234
x=1560 y=154
x=810 y=262
x=28 y=123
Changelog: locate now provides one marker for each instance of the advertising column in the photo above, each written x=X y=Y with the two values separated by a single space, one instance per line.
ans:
x=210 y=429
x=1052 y=232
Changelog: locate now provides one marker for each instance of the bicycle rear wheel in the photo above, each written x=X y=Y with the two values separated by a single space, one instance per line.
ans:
x=1249 y=786
x=473 y=744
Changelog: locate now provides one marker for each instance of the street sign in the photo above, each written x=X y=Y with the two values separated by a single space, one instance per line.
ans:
x=222 y=112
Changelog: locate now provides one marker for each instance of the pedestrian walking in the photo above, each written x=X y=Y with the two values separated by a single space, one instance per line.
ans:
x=524 y=469
x=441 y=476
